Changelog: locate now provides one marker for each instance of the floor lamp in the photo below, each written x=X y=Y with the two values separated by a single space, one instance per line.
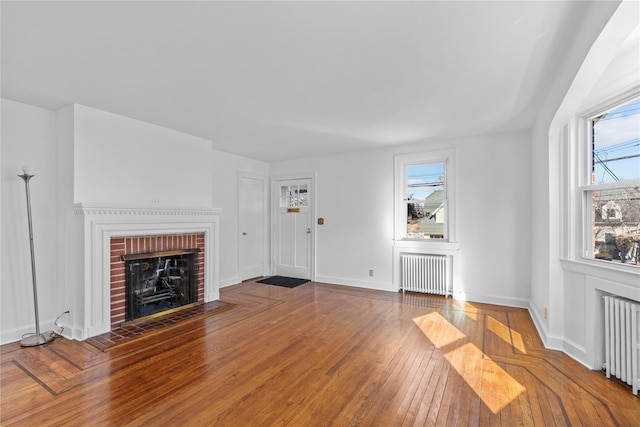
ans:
x=31 y=340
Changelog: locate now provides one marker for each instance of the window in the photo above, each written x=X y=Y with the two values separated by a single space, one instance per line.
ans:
x=424 y=196
x=293 y=196
x=426 y=211
x=612 y=193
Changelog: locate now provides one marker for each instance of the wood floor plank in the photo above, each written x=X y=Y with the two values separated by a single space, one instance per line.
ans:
x=317 y=354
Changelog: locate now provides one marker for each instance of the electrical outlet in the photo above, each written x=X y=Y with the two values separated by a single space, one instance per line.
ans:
x=371 y=273
x=545 y=313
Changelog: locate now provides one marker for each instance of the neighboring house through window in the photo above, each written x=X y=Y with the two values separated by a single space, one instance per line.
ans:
x=611 y=193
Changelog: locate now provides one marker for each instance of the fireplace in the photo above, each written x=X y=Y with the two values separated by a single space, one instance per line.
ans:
x=106 y=233
x=155 y=273
x=159 y=281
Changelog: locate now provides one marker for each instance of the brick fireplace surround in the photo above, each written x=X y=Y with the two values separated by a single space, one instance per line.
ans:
x=145 y=244
x=104 y=232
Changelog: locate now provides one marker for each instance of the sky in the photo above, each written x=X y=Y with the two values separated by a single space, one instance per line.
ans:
x=618 y=135
x=423 y=179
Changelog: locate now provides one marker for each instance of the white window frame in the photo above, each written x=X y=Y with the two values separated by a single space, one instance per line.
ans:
x=585 y=189
x=401 y=162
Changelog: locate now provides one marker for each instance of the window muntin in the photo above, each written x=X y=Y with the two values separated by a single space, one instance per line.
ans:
x=612 y=214
x=426 y=201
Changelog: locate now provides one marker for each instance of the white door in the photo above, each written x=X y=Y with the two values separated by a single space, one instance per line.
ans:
x=293 y=228
x=252 y=225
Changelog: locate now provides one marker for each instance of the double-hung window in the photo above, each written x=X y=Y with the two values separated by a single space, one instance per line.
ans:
x=424 y=191
x=611 y=184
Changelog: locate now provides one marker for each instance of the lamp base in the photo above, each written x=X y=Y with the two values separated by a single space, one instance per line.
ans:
x=34 y=340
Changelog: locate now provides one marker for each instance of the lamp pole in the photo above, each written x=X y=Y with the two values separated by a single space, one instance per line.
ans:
x=37 y=338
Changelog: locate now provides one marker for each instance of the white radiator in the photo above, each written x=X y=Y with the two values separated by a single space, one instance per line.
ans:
x=622 y=340
x=423 y=273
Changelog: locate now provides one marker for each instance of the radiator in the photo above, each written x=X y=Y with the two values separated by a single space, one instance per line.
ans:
x=423 y=273
x=622 y=340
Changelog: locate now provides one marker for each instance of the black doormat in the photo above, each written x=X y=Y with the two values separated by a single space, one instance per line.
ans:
x=287 y=282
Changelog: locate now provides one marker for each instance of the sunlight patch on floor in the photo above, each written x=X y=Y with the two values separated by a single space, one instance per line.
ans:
x=489 y=381
x=438 y=329
x=471 y=315
x=506 y=334
x=495 y=387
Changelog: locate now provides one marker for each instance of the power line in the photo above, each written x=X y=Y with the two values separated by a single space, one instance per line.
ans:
x=425 y=184
x=600 y=161
x=619 y=146
x=604 y=166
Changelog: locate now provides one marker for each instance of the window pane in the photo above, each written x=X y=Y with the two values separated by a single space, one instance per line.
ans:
x=284 y=196
x=294 y=196
x=292 y=202
x=616 y=144
x=616 y=225
x=426 y=201
x=303 y=196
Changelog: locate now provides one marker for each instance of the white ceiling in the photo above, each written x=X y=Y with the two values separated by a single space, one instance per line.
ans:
x=284 y=80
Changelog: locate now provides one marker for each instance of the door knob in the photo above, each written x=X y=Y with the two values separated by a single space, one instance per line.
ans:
x=308 y=230
x=244 y=234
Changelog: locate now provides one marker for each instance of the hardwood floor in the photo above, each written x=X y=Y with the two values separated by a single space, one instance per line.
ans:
x=315 y=355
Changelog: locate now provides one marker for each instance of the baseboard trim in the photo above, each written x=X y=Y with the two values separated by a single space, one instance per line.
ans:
x=16 y=334
x=490 y=299
x=380 y=286
x=223 y=283
x=551 y=342
x=576 y=352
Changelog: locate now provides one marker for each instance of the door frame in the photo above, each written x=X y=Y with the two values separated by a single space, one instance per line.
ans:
x=265 y=220
x=275 y=199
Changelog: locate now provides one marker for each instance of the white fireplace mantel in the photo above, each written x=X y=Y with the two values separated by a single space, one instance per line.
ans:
x=99 y=223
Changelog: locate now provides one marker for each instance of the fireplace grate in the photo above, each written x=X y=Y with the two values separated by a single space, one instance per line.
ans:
x=159 y=281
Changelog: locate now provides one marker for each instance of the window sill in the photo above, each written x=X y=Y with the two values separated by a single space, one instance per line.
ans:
x=620 y=273
x=426 y=244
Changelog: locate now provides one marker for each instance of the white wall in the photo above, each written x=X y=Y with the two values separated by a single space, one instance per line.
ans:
x=355 y=197
x=225 y=190
x=121 y=160
x=125 y=161
x=28 y=138
x=494 y=220
x=611 y=68
x=570 y=289
x=354 y=194
x=69 y=241
x=80 y=154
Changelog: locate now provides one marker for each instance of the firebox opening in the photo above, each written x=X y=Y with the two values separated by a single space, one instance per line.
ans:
x=159 y=281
